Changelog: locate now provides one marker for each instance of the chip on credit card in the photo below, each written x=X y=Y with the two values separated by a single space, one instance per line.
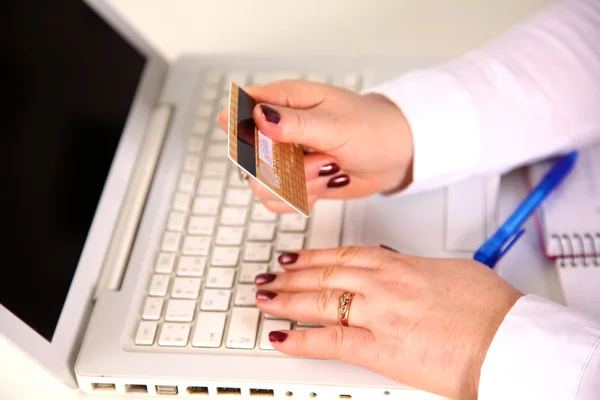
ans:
x=278 y=166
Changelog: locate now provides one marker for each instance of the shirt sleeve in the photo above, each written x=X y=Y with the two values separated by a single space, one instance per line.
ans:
x=530 y=94
x=543 y=350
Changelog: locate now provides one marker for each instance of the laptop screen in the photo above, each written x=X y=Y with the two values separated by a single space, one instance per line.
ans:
x=67 y=81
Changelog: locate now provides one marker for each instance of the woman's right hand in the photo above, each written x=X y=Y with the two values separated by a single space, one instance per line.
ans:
x=362 y=143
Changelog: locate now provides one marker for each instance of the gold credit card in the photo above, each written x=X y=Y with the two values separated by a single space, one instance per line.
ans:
x=278 y=166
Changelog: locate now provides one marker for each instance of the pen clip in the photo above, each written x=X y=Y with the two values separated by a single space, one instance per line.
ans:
x=511 y=243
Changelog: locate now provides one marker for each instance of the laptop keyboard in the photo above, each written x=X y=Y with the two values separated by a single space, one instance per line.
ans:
x=218 y=237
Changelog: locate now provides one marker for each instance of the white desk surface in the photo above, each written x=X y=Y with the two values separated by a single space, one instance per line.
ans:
x=418 y=29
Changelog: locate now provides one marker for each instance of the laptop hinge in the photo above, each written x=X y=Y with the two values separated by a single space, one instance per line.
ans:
x=117 y=255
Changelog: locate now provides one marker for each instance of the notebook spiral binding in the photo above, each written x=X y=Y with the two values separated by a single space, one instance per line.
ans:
x=578 y=250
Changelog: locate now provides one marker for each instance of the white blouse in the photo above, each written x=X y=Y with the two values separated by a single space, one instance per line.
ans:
x=533 y=93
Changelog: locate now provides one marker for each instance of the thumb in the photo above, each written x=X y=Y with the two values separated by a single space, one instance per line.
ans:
x=312 y=127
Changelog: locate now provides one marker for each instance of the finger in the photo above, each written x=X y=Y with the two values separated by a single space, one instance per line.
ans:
x=331 y=277
x=351 y=345
x=349 y=256
x=315 y=187
x=313 y=127
x=287 y=93
x=315 y=308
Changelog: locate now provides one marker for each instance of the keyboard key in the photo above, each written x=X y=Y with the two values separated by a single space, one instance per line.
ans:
x=289 y=241
x=261 y=214
x=186 y=288
x=209 y=94
x=215 y=169
x=319 y=78
x=176 y=221
x=180 y=311
x=213 y=78
x=200 y=127
x=146 y=333
x=209 y=329
x=275 y=266
x=221 y=278
x=248 y=271
x=205 y=110
x=219 y=137
x=191 y=163
x=152 y=308
x=292 y=222
x=233 y=216
x=210 y=188
x=270 y=325
x=308 y=324
x=205 y=206
x=181 y=201
x=170 y=242
x=174 y=334
x=235 y=179
x=225 y=256
x=229 y=235
x=201 y=225
x=196 y=245
x=195 y=145
x=159 y=285
x=242 y=328
x=164 y=263
x=261 y=231
x=186 y=183
x=269 y=316
x=215 y=300
x=245 y=295
x=191 y=266
x=259 y=252
x=238 y=197
x=238 y=77
x=218 y=150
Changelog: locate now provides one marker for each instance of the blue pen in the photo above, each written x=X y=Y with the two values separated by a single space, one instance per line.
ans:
x=506 y=236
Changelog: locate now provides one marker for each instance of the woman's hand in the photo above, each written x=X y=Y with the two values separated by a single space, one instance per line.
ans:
x=426 y=323
x=362 y=143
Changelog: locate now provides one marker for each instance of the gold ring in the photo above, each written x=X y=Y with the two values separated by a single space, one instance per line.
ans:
x=344 y=308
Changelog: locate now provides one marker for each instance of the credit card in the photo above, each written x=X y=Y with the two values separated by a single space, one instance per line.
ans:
x=277 y=166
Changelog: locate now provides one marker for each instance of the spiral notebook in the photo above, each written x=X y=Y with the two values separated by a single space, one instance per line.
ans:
x=569 y=222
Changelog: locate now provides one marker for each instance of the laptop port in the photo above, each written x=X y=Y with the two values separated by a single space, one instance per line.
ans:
x=229 y=391
x=197 y=390
x=136 y=388
x=104 y=386
x=166 y=389
x=262 y=392
x=345 y=396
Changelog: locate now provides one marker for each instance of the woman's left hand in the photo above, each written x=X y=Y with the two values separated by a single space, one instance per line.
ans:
x=426 y=323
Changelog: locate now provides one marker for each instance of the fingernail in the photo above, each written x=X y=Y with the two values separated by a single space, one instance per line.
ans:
x=338 y=181
x=389 y=248
x=265 y=295
x=287 y=258
x=329 y=169
x=276 y=336
x=270 y=114
x=264 y=278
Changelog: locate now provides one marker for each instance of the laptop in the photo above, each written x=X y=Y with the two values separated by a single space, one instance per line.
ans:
x=130 y=243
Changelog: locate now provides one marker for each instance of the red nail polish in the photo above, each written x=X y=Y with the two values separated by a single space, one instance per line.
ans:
x=264 y=278
x=388 y=248
x=265 y=295
x=338 y=181
x=277 y=336
x=270 y=114
x=287 y=258
x=329 y=169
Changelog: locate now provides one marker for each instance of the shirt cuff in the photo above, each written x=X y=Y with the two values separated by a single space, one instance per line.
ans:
x=444 y=122
x=542 y=350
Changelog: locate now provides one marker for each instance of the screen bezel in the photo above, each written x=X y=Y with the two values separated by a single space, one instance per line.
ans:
x=58 y=355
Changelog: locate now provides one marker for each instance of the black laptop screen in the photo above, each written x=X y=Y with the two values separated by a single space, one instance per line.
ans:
x=67 y=81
